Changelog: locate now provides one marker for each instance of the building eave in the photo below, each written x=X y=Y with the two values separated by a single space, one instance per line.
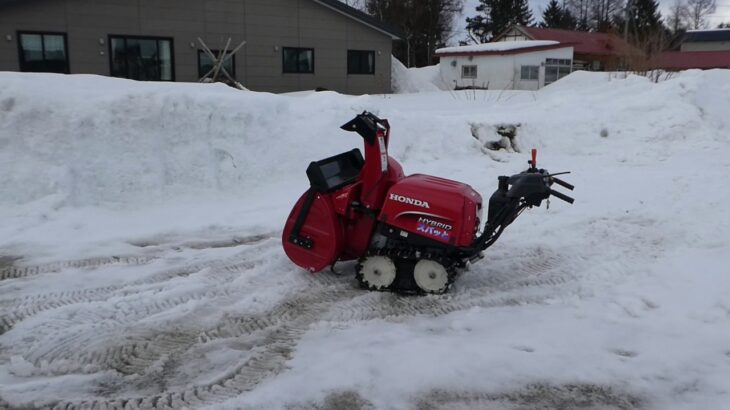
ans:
x=361 y=17
x=523 y=50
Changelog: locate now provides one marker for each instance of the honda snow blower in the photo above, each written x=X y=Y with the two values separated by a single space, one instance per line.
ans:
x=409 y=234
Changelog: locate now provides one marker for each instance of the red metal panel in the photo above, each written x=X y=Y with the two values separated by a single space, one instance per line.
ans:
x=323 y=226
x=436 y=208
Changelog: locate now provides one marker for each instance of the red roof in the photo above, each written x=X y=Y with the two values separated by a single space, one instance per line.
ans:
x=684 y=60
x=584 y=42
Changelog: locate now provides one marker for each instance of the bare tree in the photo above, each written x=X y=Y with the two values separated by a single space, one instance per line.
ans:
x=698 y=12
x=602 y=13
x=678 y=17
x=581 y=10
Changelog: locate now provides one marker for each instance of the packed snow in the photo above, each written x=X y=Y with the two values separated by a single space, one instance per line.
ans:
x=141 y=264
x=411 y=80
x=497 y=46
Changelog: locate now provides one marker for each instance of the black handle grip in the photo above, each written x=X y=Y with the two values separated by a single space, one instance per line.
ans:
x=563 y=183
x=559 y=195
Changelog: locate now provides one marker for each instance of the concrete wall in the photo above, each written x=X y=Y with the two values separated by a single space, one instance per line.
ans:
x=706 y=46
x=266 y=25
x=500 y=72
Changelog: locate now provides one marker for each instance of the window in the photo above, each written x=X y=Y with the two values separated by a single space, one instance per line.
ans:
x=205 y=63
x=360 y=62
x=468 y=71
x=556 y=68
x=141 y=58
x=43 y=52
x=298 y=60
x=529 y=72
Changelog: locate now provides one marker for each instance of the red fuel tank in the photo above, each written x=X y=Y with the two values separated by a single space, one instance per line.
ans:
x=436 y=208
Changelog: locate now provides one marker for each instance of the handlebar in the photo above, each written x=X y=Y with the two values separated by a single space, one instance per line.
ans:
x=562 y=196
x=563 y=183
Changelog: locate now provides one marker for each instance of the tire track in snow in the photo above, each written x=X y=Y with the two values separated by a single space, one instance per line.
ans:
x=22 y=308
x=15 y=271
x=109 y=319
x=493 y=288
x=272 y=336
x=536 y=396
x=278 y=339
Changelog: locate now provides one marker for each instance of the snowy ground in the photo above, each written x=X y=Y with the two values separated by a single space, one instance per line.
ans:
x=141 y=265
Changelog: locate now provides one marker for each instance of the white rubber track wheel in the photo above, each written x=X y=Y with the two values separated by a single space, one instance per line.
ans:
x=377 y=272
x=431 y=276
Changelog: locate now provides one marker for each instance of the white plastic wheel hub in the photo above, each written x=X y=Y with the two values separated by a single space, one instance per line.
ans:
x=378 y=271
x=431 y=276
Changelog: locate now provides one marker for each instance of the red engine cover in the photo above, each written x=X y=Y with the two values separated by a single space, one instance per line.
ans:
x=435 y=208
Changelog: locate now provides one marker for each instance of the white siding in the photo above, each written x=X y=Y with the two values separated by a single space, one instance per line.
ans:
x=706 y=46
x=500 y=72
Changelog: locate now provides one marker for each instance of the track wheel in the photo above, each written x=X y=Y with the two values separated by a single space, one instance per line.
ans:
x=431 y=276
x=376 y=272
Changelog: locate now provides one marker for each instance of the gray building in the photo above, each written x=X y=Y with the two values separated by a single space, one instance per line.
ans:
x=290 y=44
x=706 y=40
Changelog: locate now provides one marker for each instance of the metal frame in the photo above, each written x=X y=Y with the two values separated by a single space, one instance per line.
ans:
x=217 y=52
x=21 y=56
x=139 y=37
x=360 y=51
x=299 y=49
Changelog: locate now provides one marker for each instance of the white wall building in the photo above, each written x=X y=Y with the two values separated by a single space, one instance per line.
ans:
x=513 y=65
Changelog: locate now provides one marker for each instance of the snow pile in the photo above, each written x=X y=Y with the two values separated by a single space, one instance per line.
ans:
x=415 y=80
x=497 y=46
x=619 y=301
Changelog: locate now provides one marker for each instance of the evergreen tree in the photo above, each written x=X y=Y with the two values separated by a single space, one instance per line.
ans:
x=427 y=24
x=645 y=21
x=556 y=16
x=495 y=16
x=523 y=14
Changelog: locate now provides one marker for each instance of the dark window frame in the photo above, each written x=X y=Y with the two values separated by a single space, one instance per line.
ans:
x=298 y=49
x=529 y=69
x=469 y=67
x=139 y=37
x=217 y=53
x=350 y=70
x=557 y=68
x=21 y=54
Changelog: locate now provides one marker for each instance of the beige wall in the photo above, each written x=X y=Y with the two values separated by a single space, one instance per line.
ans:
x=706 y=46
x=266 y=25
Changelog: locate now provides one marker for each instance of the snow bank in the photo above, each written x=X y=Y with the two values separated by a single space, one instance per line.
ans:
x=619 y=301
x=415 y=80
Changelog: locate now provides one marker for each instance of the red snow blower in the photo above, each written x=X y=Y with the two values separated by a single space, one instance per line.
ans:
x=410 y=234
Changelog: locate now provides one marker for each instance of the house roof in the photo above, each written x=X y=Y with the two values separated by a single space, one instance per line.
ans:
x=720 y=34
x=584 y=42
x=334 y=5
x=364 y=18
x=685 y=60
x=500 y=48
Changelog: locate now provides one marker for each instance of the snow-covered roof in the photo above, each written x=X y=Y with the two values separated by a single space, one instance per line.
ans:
x=498 y=46
x=718 y=34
